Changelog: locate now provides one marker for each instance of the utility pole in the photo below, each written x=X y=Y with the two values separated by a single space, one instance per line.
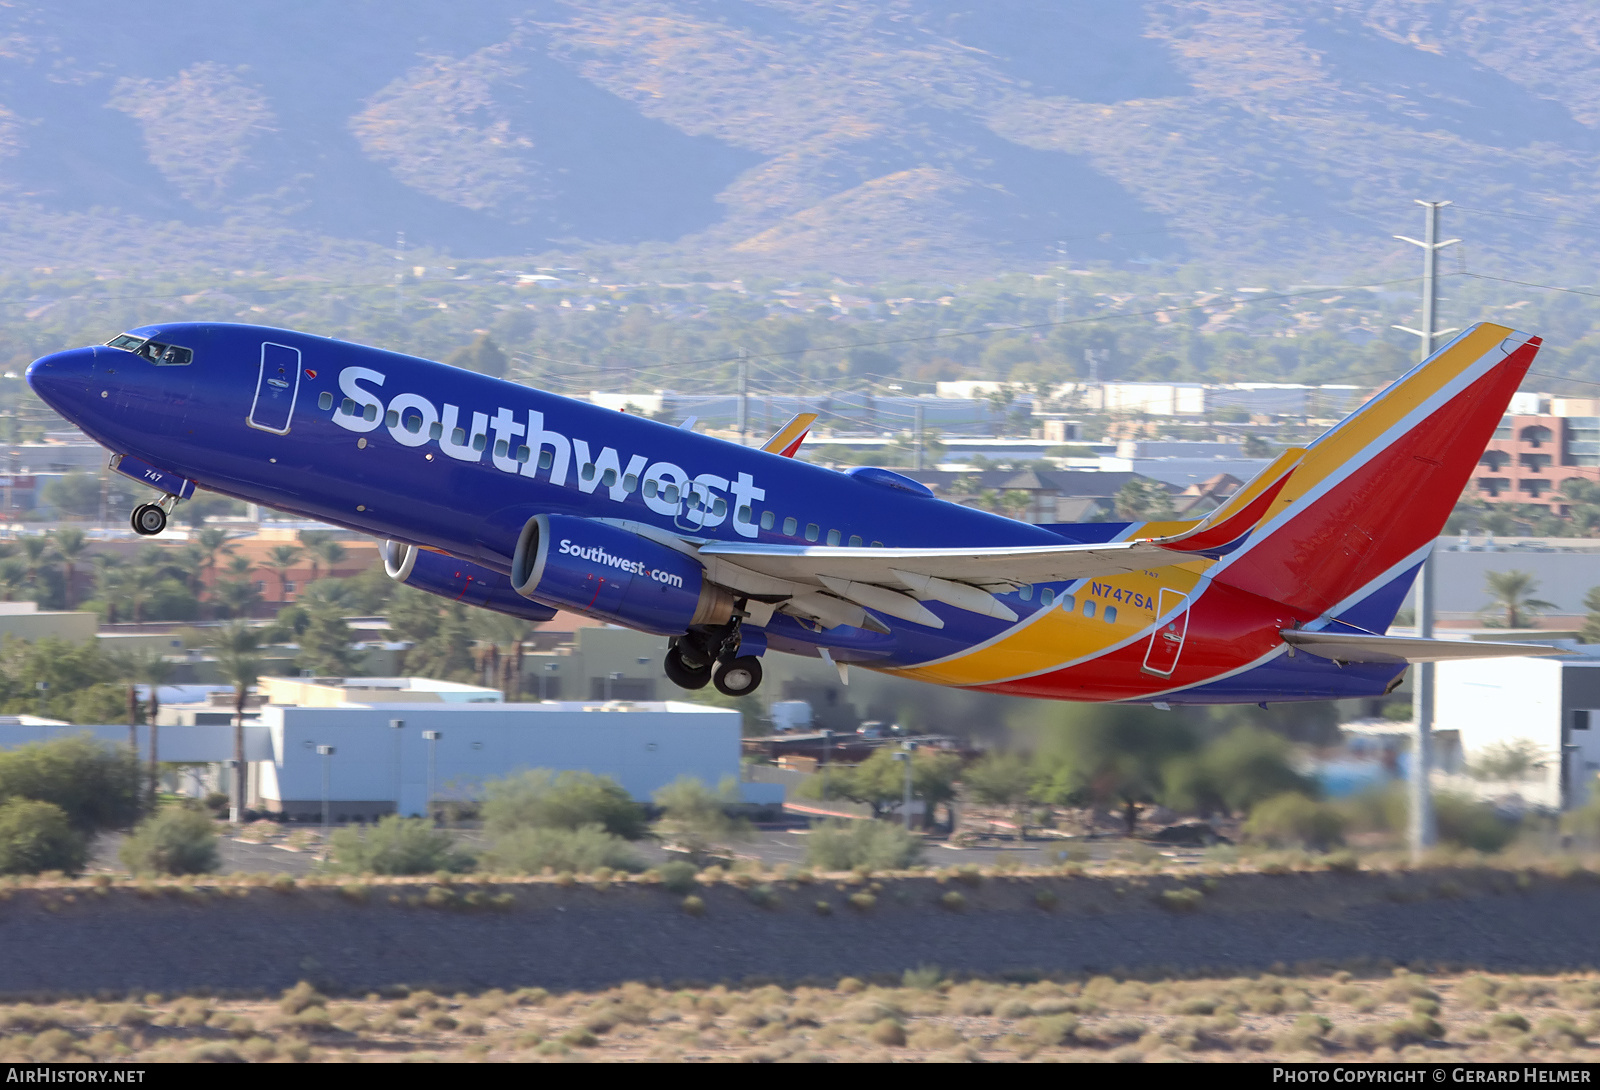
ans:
x=916 y=414
x=744 y=398
x=400 y=278
x=1422 y=831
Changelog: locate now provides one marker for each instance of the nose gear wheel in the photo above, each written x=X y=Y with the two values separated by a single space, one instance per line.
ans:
x=148 y=520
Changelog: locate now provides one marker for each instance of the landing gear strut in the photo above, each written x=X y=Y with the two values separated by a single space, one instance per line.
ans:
x=711 y=655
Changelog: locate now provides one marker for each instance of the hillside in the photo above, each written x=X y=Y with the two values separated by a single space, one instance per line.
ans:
x=896 y=136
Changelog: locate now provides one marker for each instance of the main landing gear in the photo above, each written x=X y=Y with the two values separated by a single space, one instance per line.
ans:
x=149 y=519
x=712 y=655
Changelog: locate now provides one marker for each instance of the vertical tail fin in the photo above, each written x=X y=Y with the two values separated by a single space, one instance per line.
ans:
x=1375 y=491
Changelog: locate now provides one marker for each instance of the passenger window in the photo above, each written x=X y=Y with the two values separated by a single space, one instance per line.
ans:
x=877 y=544
x=744 y=514
x=413 y=424
x=607 y=479
x=479 y=442
x=720 y=508
x=812 y=530
x=1068 y=603
x=767 y=519
x=347 y=407
x=458 y=437
x=1088 y=607
x=1026 y=593
x=547 y=458
x=391 y=418
x=325 y=400
x=1111 y=614
x=855 y=541
x=524 y=452
x=587 y=472
x=435 y=430
x=1047 y=597
x=650 y=486
x=789 y=527
x=670 y=493
x=371 y=413
x=499 y=448
x=833 y=537
x=630 y=482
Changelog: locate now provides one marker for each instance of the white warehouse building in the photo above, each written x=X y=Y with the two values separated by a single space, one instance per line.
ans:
x=1551 y=703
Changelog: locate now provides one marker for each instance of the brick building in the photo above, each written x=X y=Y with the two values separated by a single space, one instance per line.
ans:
x=1530 y=456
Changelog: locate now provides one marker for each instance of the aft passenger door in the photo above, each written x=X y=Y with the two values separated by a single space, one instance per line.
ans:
x=277 y=386
x=1166 y=643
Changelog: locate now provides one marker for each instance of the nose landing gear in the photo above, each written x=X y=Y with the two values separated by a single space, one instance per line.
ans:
x=150 y=519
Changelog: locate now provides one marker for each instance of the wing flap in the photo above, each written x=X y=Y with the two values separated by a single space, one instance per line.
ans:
x=982 y=566
x=1350 y=647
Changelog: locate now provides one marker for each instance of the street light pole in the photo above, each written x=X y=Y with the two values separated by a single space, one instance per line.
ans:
x=397 y=725
x=1422 y=831
x=432 y=737
x=326 y=753
x=904 y=757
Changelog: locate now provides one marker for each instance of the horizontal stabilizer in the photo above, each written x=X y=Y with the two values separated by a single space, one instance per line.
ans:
x=1351 y=647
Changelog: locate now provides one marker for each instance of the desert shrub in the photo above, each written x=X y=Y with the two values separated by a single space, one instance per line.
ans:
x=561 y=800
x=1293 y=819
x=36 y=836
x=696 y=818
x=175 y=840
x=577 y=851
x=1584 y=822
x=1471 y=824
x=97 y=785
x=678 y=876
x=395 y=845
x=845 y=845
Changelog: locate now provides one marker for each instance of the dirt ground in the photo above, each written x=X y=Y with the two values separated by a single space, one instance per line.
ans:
x=922 y=1017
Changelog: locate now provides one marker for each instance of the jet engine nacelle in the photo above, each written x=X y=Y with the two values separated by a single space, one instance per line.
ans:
x=600 y=570
x=459 y=580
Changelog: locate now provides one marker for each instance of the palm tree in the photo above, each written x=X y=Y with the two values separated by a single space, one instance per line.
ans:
x=70 y=545
x=155 y=671
x=210 y=543
x=238 y=593
x=280 y=559
x=35 y=551
x=324 y=549
x=1512 y=591
x=236 y=646
x=13 y=577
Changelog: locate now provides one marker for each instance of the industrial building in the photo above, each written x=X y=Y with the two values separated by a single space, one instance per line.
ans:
x=1550 y=705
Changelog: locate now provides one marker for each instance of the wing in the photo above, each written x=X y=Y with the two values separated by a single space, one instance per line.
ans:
x=1343 y=647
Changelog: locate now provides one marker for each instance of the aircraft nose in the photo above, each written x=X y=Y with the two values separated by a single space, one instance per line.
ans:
x=62 y=377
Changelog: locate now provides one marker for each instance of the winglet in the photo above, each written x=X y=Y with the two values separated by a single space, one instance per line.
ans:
x=787 y=439
x=1225 y=529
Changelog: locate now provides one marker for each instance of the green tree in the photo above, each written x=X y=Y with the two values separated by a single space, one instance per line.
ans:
x=1233 y=773
x=325 y=644
x=582 y=850
x=395 y=845
x=1591 y=623
x=238 y=659
x=1003 y=779
x=1511 y=593
x=96 y=785
x=74 y=495
x=540 y=798
x=1144 y=501
x=879 y=781
x=1112 y=756
x=482 y=356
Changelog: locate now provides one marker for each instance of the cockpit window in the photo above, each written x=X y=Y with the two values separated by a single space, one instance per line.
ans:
x=162 y=355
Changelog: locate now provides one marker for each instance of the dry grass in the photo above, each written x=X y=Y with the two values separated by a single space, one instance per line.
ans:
x=1463 y=1017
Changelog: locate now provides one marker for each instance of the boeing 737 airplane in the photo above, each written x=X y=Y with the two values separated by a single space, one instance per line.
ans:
x=525 y=502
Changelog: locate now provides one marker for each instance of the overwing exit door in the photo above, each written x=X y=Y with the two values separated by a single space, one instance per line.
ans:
x=1166 y=643
x=277 y=386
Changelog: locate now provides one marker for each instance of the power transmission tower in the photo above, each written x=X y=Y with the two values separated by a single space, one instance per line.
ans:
x=1422 y=830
